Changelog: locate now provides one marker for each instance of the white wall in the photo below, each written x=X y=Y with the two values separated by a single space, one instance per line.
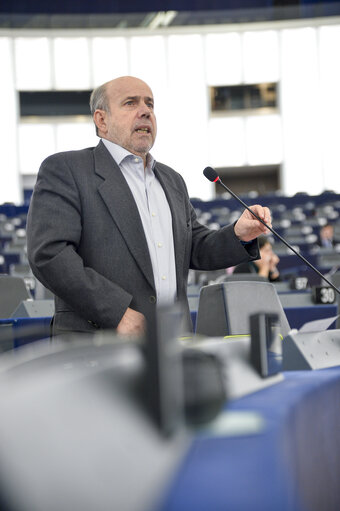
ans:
x=180 y=64
x=10 y=189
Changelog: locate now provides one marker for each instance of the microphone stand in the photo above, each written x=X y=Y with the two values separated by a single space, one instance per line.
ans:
x=218 y=180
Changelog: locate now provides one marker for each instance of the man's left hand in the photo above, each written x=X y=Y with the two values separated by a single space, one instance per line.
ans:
x=248 y=227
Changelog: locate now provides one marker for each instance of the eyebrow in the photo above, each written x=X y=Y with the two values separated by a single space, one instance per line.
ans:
x=135 y=98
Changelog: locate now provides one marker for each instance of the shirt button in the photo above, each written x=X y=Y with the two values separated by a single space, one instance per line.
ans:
x=152 y=299
x=153 y=213
x=136 y=160
x=159 y=245
x=163 y=277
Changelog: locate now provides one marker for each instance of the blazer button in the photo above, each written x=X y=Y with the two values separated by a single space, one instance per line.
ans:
x=93 y=324
x=152 y=299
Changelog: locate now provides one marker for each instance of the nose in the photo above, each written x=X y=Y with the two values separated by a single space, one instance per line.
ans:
x=144 y=110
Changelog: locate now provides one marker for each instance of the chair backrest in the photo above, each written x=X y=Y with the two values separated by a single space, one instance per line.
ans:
x=282 y=286
x=224 y=309
x=330 y=259
x=296 y=299
x=202 y=278
x=240 y=276
x=13 y=291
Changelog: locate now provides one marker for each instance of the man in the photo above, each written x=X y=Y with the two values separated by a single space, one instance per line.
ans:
x=326 y=236
x=112 y=233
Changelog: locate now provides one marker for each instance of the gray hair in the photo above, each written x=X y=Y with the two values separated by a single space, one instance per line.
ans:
x=99 y=100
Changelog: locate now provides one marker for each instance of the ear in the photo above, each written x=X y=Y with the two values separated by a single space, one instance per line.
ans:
x=100 y=120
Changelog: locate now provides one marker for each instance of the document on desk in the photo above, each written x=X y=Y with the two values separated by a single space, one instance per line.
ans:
x=318 y=325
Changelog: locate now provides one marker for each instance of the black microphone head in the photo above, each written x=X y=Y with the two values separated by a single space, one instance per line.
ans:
x=210 y=174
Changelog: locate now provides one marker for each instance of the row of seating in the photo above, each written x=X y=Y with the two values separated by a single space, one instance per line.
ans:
x=13 y=256
x=291 y=216
x=218 y=309
x=223 y=306
x=13 y=253
x=280 y=205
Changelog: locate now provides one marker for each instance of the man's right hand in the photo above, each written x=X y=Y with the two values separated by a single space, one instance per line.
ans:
x=132 y=323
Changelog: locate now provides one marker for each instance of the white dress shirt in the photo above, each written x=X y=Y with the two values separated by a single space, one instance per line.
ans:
x=156 y=217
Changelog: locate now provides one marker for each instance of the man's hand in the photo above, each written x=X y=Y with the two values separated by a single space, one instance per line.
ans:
x=248 y=227
x=132 y=323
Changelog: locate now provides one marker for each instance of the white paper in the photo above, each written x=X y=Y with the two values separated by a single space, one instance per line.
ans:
x=318 y=325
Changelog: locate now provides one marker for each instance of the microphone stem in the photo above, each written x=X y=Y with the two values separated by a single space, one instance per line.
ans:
x=280 y=237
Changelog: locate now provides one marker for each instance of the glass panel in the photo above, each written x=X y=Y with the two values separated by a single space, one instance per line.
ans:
x=300 y=108
x=9 y=178
x=72 y=63
x=36 y=142
x=223 y=59
x=183 y=135
x=109 y=59
x=260 y=56
x=243 y=97
x=329 y=38
x=227 y=142
x=77 y=135
x=32 y=63
x=148 y=61
x=264 y=139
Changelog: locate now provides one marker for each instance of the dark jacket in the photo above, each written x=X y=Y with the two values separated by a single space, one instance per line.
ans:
x=86 y=241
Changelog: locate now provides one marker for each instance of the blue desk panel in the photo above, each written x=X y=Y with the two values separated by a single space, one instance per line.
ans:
x=293 y=464
x=26 y=330
x=298 y=316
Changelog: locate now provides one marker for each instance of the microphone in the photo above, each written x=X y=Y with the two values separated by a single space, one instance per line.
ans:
x=212 y=175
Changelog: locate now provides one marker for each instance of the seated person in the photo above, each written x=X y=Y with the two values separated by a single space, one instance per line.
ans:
x=266 y=266
x=326 y=236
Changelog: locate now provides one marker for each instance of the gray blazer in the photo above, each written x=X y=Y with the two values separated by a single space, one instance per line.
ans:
x=86 y=242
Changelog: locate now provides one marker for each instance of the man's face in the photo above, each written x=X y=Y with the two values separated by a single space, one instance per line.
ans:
x=131 y=122
x=327 y=232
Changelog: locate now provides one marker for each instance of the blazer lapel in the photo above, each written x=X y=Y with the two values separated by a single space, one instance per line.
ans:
x=119 y=200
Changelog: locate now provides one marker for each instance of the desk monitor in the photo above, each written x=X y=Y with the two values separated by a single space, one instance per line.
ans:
x=266 y=348
x=164 y=375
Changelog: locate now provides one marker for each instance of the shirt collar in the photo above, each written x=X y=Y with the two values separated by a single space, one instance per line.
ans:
x=119 y=154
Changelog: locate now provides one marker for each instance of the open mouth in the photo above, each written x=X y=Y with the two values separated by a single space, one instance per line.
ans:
x=145 y=130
